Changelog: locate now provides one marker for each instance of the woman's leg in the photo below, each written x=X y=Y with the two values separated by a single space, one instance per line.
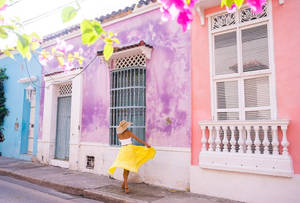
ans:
x=125 y=177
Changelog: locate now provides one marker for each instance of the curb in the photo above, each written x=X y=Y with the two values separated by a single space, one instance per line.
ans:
x=101 y=196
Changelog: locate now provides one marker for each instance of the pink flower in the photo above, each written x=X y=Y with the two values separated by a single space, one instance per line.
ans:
x=232 y=9
x=256 y=5
x=3 y=7
x=67 y=66
x=178 y=9
x=45 y=57
x=185 y=19
x=63 y=47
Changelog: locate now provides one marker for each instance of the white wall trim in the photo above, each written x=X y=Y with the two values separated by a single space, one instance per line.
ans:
x=244 y=187
x=27 y=79
x=247 y=163
x=47 y=152
x=59 y=163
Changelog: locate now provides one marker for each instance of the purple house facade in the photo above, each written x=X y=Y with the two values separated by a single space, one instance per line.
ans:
x=147 y=81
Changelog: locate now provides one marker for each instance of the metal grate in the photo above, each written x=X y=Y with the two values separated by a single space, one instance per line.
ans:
x=90 y=162
x=223 y=20
x=131 y=61
x=242 y=16
x=65 y=90
x=128 y=96
x=247 y=15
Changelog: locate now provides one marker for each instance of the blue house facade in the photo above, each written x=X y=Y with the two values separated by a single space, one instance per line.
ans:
x=22 y=92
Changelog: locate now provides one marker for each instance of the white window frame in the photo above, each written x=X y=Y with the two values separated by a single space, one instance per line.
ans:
x=241 y=76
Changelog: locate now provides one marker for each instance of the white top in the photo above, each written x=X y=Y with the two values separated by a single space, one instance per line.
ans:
x=126 y=141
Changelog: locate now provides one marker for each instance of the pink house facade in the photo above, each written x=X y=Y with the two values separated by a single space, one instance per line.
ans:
x=146 y=81
x=245 y=109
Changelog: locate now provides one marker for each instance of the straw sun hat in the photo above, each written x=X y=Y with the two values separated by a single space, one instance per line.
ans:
x=123 y=126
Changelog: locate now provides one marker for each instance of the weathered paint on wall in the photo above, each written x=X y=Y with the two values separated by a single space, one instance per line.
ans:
x=286 y=28
x=286 y=34
x=15 y=93
x=167 y=88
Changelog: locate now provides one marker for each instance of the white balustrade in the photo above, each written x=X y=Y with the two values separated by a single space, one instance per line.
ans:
x=249 y=146
x=246 y=129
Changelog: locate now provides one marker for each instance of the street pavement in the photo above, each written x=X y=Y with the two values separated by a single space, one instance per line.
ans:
x=97 y=187
x=17 y=191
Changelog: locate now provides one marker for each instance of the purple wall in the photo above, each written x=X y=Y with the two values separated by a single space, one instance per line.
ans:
x=168 y=91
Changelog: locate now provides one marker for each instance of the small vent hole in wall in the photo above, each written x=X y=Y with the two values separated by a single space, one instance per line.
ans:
x=90 y=162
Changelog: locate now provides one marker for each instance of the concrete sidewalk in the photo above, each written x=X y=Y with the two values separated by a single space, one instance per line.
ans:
x=93 y=186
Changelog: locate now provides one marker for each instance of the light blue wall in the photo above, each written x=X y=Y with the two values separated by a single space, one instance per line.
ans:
x=15 y=143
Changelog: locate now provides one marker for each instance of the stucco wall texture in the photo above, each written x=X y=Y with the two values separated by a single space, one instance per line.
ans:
x=168 y=77
x=15 y=96
x=286 y=32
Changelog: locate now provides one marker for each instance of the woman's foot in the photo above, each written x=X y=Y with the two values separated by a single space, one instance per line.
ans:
x=126 y=189
x=123 y=186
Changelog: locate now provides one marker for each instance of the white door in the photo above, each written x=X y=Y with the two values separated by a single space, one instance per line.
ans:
x=31 y=124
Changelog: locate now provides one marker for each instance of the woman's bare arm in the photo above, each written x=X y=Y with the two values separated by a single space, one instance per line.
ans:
x=139 y=140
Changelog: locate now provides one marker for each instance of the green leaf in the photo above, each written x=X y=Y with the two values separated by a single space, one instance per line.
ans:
x=108 y=50
x=35 y=39
x=68 y=13
x=227 y=3
x=97 y=27
x=23 y=46
x=3 y=33
x=2 y=3
x=239 y=3
x=90 y=32
x=7 y=52
x=116 y=40
x=10 y=27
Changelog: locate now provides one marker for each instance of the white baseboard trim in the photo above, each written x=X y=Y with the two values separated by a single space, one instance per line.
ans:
x=60 y=163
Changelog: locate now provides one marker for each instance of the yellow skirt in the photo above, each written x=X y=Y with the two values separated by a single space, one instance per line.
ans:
x=132 y=157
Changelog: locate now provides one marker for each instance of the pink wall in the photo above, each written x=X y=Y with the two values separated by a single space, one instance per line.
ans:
x=286 y=51
x=200 y=80
x=286 y=29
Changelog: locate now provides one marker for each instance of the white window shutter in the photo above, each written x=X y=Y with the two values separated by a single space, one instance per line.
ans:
x=255 y=48
x=226 y=54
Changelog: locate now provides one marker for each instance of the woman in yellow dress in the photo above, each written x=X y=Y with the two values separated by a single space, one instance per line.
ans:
x=130 y=157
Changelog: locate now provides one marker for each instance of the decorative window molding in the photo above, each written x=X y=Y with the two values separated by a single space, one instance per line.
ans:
x=65 y=90
x=247 y=15
x=130 y=51
x=243 y=15
x=62 y=76
x=28 y=79
x=223 y=20
x=130 y=61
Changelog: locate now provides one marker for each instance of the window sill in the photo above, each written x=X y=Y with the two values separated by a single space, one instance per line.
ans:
x=248 y=163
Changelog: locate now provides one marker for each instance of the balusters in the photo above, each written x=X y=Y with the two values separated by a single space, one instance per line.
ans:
x=218 y=140
x=250 y=138
x=275 y=142
x=284 y=141
x=210 y=139
x=265 y=141
x=249 y=141
x=203 y=139
x=241 y=139
x=256 y=140
x=232 y=139
x=225 y=139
